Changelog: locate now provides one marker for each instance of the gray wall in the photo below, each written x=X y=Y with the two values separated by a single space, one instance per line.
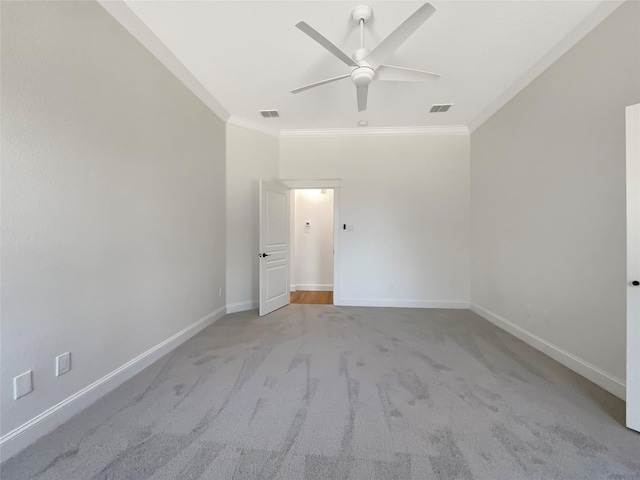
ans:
x=407 y=198
x=251 y=156
x=113 y=201
x=548 y=198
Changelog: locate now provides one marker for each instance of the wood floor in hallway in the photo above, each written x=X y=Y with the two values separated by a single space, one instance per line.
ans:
x=315 y=298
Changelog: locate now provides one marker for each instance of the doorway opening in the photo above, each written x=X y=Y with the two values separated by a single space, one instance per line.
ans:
x=312 y=246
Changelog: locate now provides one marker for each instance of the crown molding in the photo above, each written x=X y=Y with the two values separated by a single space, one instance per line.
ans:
x=360 y=131
x=601 y=12
x=377 y=131
x=136 y=27
x=241 y=122
x=119 y=10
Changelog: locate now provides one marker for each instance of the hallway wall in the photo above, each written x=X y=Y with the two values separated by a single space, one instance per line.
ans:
x=313 y=249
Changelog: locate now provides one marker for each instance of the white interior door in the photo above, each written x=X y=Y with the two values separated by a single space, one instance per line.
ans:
x=633 y=267
x=274 y=247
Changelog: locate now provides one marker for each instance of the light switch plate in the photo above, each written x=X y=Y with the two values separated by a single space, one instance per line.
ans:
x=63 y=363
x=22 y=385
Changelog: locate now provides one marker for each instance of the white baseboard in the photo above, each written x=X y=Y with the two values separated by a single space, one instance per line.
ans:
x=609 y=382
x=242 y=306
x=313 y=287
x=400 y=303
x=23 y=436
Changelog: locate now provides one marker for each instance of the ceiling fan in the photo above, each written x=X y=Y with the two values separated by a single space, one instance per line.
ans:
x=367 y=65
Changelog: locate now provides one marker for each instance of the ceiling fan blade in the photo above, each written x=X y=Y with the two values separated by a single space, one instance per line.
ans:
x=396 y=38
x=321 y=82
x=390 y=73
x=318 y=37
x=362 y=97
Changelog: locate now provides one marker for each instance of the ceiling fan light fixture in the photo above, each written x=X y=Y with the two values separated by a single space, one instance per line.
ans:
x=362 y=76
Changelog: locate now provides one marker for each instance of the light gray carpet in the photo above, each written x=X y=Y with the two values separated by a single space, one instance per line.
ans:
x=323 y=392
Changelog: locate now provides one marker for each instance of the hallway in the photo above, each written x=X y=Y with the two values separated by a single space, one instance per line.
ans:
x=312 y=298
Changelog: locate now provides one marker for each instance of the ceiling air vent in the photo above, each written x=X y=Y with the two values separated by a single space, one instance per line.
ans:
x=440 y=107
x=269 y=113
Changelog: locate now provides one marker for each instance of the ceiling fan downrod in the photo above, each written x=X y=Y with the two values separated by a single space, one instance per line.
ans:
x=361 y=15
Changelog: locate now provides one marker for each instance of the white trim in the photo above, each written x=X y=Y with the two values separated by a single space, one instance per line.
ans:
x=241 y=122
x=401 y=303
x=337 y=234
x=292 y=241
x=27 y=433
x=601 y=12
x=312 y=287
x=136 y=27
x=318 y=183
x=242 y=306
x=609 y=382
x=377 y=131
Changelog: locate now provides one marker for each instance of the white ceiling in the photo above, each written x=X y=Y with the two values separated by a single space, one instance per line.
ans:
x=249 y=55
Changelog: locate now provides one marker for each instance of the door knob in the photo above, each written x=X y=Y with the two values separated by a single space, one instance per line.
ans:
x=635 y=283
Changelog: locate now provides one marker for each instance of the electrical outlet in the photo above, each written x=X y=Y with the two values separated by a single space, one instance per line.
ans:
x=391 y=286
x=546 y=317
x=220 y=294
x=22 y=385
x=63 y=363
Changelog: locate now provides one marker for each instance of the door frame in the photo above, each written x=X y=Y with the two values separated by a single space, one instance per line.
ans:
x=333 y=184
